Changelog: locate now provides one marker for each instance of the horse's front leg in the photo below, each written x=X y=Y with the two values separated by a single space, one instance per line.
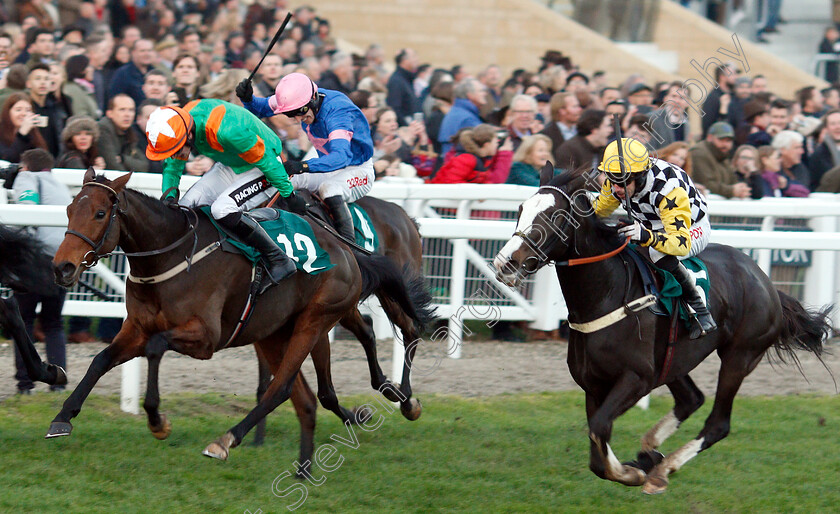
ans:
x=624 y=393
x=12 y=322
x=127 y=344
x=190 y=333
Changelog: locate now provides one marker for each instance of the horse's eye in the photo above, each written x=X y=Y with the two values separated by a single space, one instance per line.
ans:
x=100 y=214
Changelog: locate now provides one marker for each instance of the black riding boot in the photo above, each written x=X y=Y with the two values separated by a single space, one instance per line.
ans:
x=341 y=216
x=703 y=321
x=277 y=263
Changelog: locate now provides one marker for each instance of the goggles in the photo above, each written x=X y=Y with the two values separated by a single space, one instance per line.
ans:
x=620 y=179
x=300 y=111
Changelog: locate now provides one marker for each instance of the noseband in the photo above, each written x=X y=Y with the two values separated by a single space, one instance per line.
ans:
x=538 y=262
x=95 y=247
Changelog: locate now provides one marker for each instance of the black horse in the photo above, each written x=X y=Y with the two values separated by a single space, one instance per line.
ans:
x=26 y=268
x=620 y=363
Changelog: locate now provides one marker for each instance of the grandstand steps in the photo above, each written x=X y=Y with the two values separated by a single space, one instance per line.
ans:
x=798 y=40
x=651 y=53
x=693 y=37
x=475 y=33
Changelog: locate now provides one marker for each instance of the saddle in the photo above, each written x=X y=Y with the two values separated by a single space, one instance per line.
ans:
x=663 y=285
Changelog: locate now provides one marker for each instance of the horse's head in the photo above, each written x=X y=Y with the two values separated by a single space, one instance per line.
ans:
x=546 y=226
x=92 y=227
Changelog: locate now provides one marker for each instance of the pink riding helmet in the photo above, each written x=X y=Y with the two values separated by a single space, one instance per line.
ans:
x=293 y=92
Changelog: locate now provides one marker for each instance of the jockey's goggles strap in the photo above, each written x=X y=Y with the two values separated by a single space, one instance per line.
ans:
x=297 y=112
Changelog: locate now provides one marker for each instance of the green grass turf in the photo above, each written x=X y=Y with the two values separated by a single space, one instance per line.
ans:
x=512 y=453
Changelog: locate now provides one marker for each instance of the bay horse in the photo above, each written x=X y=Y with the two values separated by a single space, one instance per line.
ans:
x=623 y=361
x=196 y=313
x=400 y=240
x=25 y=267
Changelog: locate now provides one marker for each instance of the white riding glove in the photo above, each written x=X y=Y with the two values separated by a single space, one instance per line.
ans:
x=636 y=232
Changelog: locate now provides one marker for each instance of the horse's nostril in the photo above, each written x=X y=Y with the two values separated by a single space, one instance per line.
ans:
x=64 y=271
x=511 y=266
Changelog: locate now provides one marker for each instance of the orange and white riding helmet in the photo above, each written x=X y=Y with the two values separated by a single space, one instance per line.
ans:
x=167 y=131
x=293 y=95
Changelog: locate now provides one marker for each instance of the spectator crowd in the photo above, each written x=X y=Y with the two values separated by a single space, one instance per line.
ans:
x=79 y=79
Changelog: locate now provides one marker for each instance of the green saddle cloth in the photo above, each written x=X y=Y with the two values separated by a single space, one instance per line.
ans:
x=671 y=288
x=365 y=233
x=293 y=235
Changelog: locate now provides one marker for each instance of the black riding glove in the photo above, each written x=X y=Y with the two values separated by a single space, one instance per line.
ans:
x=296 y=167
x=296 y=204
x=171 y=202
x=245 y=90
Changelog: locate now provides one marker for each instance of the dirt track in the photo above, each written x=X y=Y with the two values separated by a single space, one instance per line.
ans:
x=486 y=368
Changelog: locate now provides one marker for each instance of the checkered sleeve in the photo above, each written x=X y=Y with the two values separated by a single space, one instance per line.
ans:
x=605 y=203
x=675 y=213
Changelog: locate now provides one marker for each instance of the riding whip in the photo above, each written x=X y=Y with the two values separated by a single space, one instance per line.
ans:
x=625 y=173
x=271 y=45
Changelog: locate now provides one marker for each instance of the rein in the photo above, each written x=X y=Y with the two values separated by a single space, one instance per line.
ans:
x=550 y=242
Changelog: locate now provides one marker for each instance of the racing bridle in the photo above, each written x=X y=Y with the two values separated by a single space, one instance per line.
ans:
x=535 y=262
x=94 y=254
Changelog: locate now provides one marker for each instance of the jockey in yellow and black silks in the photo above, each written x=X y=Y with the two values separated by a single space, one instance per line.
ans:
x=669 y=216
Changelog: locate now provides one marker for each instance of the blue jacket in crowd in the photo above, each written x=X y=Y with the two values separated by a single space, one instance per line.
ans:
x=462 y=115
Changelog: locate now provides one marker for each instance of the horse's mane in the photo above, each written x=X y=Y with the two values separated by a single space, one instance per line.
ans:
x=579 y=179
x=149 y=201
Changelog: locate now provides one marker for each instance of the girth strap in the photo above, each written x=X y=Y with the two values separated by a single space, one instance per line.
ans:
x=253 y=292
x=207 y=250
x=614 y=316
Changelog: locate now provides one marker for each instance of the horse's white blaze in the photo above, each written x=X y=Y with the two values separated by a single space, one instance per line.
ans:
x=664 y=429
x=507 y=251
x=676 y=460
x=531 y=208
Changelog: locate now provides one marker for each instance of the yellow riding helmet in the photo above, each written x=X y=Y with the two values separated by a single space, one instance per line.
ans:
x=636 y=158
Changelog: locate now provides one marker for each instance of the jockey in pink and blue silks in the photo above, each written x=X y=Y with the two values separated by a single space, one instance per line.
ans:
x=343 y=171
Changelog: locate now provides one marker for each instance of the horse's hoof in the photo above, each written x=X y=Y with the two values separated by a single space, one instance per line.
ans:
x=411 y=409
x=361 y=415
x=655 y=484
x=58 y=429
x=163 y=430
x=60 y=375
x=215 y=450
x=220 y=448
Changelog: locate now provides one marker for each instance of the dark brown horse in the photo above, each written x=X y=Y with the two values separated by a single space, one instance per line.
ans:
x=620 y=363
x=24 y=267
x=195 y=313
x=399 y=240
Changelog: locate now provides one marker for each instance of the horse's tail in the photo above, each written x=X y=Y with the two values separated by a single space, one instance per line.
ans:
x=24 y=263
x=382 y=277
x=803 y=329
